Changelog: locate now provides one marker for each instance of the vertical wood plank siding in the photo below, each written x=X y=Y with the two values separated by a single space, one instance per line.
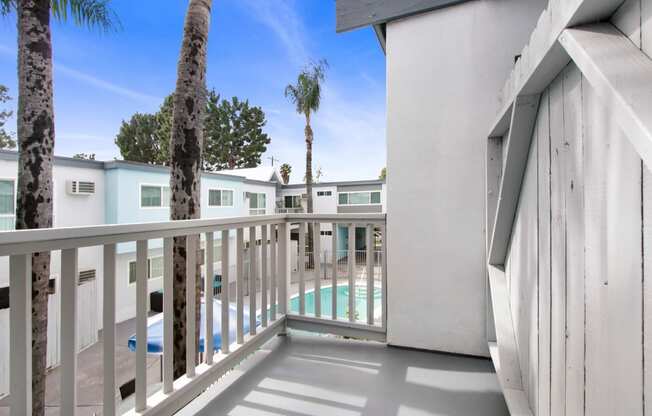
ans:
x=577 y=264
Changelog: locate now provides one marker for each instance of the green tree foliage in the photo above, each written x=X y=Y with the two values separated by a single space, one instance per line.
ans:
x=6 y=139
x=286 y=169
x=383 y=174
x=233 y=134
x=138 y=140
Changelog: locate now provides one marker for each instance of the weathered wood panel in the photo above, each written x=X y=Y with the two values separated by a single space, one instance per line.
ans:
x=558 y=249
x=543 y=165
x=581 y=339
x=614 y=301
x=573 y=184
x=596 y=150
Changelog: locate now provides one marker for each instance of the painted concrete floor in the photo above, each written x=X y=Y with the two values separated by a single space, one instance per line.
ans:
x=304 y=374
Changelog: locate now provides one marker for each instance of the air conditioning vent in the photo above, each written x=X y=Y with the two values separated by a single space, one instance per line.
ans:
x=81 y=187
x=86 y=276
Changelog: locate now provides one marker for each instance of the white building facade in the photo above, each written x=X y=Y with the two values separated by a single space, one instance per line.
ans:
x=118 y=192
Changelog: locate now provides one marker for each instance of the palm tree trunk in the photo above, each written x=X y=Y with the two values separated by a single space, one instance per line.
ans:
x=36 y=145
x=185 y=161
x=309 y=138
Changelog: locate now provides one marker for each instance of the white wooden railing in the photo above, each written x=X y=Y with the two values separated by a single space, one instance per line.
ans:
x=270 y=265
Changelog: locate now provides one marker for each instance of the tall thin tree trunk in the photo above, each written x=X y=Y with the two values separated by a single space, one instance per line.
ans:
x=185 y=161
x=309 y=137
x=36 y=146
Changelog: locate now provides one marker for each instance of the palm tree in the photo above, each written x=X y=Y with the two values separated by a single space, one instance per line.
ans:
x=286 y=169
x=186 y=141
x=306 y=96
x=36 y=143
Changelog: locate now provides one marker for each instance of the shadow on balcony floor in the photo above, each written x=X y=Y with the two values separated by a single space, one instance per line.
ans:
x=305 y=374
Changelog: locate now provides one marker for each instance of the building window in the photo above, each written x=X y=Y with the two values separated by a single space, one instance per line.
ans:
x=326 y=232
x=7 y=205
x=292 y=201
x=154 y=269
x=324 y=193
x=154 y=196
x=359 y=198
x=257 y=203
x=220 y=198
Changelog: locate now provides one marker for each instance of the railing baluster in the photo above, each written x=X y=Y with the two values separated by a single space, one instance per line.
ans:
x=168 y=315
x=191 y=311
x=334 y=275
x=20 y=337
x=208 y=298
x=141 y=325
x=370 y=274
x=263 y=275
x=108 y=330
x=383 y=262
x=283 y=266
x=239 y=258
x=302 y=268
x=273 y=274
x=252 y=280
x=224 y=295
x=351 y=270
x=316 y=244
x=69 y=280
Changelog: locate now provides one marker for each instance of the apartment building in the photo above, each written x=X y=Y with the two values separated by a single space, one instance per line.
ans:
x=89 y=192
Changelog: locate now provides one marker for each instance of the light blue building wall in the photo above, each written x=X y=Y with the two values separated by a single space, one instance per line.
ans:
x=124 y=182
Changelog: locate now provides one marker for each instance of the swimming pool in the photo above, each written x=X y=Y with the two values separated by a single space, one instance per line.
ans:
x=342 y=301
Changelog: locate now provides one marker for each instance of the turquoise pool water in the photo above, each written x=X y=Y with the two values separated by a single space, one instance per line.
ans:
x=342 y=301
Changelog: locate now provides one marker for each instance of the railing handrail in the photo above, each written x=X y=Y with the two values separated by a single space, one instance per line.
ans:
x=50 y=239
x=338 y=218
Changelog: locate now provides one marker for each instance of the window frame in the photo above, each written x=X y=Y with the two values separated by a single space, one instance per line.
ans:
x=257 y=210
x=165 y=204
x=149 y=270
x=348 y=198
x=14 y=181
x=324 y=193
x=293 y=196
x=221 y=199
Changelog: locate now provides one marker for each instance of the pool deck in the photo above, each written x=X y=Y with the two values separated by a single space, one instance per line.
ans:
x=304 y=374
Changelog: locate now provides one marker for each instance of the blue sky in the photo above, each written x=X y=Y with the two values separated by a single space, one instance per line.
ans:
x=256 y=48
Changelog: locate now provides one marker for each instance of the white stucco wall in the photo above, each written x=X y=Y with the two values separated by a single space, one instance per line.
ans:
x=69 y=210
x=444 y=71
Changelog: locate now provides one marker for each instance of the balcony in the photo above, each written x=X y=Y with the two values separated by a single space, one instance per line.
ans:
x=343 y=294
x=292 y=210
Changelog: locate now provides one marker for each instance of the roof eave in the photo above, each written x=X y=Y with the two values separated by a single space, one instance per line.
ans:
x=354 y=14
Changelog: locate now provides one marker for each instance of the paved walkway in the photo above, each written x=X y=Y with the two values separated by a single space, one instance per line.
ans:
x=90 y=375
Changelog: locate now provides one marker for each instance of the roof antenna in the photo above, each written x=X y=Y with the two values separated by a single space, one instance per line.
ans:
x=273 y=159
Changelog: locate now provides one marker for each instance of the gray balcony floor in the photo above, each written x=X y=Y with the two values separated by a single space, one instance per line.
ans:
x=304 y=374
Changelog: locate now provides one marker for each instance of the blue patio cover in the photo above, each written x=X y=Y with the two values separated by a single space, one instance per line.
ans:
x=155 y=329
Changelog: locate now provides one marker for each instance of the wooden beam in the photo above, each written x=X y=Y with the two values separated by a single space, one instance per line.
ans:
x=545 y=56
x=516 y=399
x=504 y=352
x=604 y=55
x=518 y=143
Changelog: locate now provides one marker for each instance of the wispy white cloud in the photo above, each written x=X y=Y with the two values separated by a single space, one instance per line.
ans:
x=280 y=17
x=105 y=85
x=93 y=80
